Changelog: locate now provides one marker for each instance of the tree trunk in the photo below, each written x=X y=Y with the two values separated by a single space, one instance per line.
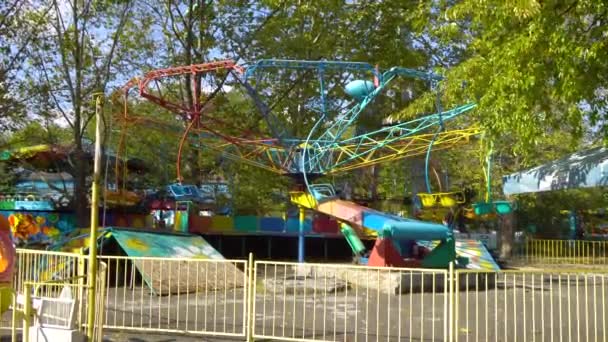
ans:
x=80 y=200
x=507 y=225
x=192 y=86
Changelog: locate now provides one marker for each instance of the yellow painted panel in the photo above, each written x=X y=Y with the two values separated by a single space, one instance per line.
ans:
x=222 y=223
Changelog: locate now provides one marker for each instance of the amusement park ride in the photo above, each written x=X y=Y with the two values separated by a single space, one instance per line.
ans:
x=346 y=91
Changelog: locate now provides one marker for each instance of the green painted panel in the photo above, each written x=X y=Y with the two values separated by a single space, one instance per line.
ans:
x=246 y=223
x=7 y=205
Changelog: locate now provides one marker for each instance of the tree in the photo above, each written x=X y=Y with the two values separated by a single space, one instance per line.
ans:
x=535 y=69
x=7 y=175
x=82 y=47
x=15 y=35
x=188 y=31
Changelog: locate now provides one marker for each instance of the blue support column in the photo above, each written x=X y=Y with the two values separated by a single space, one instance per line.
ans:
x=573 y=224
x=301 y=236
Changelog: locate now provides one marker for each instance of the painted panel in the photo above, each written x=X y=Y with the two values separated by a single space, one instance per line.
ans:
x=181 y=221
x=246 y=223
x=474 y=250
x=166 y=278
x=121 y=221
x=374 y=220
x=39 y=227
x=325 y=225
x=272 y=224
x=293 y=225
x=49 y=227
x=344 y=210
x=200 y=224
x=222 y=223
x=146 y=244
x=127 y=220
x=26 y=205
x=488 y=239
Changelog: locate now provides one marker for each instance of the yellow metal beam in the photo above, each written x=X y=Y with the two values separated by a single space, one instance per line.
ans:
x=409 y=147
x=303 y=199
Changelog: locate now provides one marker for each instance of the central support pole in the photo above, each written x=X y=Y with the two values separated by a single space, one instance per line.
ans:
x=92 y=267
x=301 y=236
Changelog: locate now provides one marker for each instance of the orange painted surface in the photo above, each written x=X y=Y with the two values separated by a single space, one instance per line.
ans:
x=343 y=210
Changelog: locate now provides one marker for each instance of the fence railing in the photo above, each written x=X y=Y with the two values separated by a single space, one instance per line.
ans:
x=37 y=267
x=9 y=320
x=563 y=252
x=100 y=303
x=44 y=276
x=177 y=295
x=323 y=302
x=531 y=306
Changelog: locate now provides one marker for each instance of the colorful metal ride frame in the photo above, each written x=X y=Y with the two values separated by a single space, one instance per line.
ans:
x=330 y=147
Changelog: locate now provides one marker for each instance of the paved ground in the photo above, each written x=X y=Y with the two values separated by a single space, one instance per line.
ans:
x=147 y=337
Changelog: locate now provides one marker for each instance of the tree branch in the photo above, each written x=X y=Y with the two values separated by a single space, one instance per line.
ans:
x=11 y=7
x=27 y=41
x=596 y=20
x=179 y=38
x=52 y=93
x=123 y=20
x=433 y=51
x=569 y=8
x=66 y=71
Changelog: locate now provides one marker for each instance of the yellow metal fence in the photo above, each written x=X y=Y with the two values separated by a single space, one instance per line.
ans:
x=37 y=267
x=176 y=295
x=563 y=252
x=43 y=276
x=325 y=302
x=531 y=306
x=321 y=302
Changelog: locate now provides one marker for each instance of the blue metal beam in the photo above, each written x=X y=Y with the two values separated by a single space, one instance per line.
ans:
x=309 y=65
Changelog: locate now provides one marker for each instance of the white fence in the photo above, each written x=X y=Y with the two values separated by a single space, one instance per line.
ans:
x=531 y=306
x=190 y=296
x=326 y=302
x=40 y=277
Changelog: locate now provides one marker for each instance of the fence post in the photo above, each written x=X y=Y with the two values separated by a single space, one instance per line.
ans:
x=27 y=312
x=451 y=320
x=526 y=250
x=81 y=278
x=14 y=317
x=101 y=293
x=250 y=299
